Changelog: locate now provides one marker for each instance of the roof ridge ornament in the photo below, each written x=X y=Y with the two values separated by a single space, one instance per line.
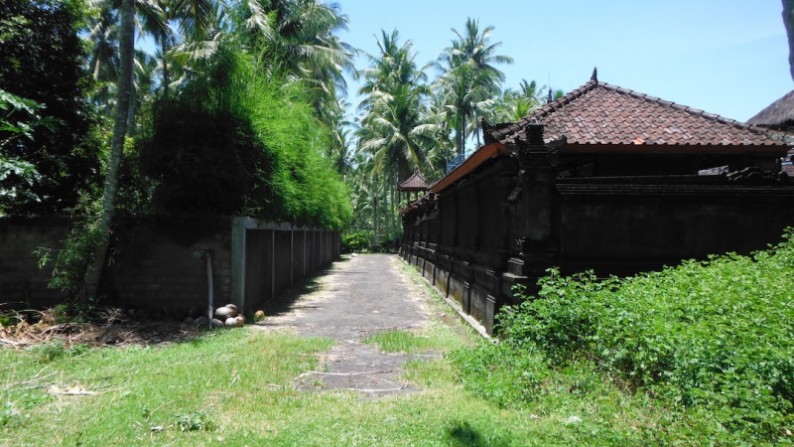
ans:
x=533 y=132
x=487 y=127
x=594 y=76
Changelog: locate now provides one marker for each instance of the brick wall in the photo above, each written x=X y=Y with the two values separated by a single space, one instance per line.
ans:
x=511 y=219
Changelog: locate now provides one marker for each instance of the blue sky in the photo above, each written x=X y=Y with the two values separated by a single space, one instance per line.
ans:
x=728 y=57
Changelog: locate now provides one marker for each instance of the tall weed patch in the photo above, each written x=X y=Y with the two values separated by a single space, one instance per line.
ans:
x=710 y=339
x=238 y=142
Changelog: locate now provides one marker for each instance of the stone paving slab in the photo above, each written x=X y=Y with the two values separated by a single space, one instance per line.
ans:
x=357 y=297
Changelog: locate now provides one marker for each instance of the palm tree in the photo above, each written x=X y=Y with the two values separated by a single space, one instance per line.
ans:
x=103 y=59
x=193 y=19
x=513 y=105
x=121 y=115
x=395 y=129
x=153 y=18
x=395 y=133
x=469 y=78
x=297 y=38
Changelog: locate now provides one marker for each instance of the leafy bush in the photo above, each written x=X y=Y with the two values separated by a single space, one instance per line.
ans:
x=44 y=118
x=714 y=337
x=356 y=242
x=193 y=421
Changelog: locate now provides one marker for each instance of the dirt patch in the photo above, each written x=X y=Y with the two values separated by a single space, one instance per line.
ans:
x=114 y=330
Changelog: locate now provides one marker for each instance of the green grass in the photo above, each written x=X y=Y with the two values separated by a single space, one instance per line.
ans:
x=235 y=388
x=437 y=337
x=401 y=341
x=191 y=384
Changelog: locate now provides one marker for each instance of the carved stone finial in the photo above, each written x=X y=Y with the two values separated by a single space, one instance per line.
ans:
x=594 y=77
x=486 y=131
x=534 y=133
x=522 y=245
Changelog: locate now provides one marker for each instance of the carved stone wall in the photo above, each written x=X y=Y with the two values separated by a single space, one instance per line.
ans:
x=512 y=218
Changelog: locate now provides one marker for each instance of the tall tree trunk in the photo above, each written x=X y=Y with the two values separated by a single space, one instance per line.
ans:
x=393 y=209
x=166 y=75
x=377 y=218
x=461 y=132
x=131 y=113
x=788 y=22
x=126 y=54
x=477 y=134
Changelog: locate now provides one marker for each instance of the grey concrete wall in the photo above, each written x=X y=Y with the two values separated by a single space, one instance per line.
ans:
x=161 y=262
x=276 y=256
x=22 y=282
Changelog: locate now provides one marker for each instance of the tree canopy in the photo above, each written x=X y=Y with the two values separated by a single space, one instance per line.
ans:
x=408 y=122
x=41 y=62
x=240 y=109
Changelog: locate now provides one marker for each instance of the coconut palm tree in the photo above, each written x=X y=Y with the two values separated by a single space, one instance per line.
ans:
x=297 y=39
x=395 y=133
x=121 y=115
x=193 y=20
x=513 y=105
x=395 y=129
x=470 y=79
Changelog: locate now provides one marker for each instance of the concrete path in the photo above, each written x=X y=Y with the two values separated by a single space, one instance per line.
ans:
x=356 y=298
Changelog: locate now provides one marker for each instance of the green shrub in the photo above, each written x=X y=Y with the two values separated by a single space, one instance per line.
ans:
x=712 y=336
x=357 y=242
x=193 y=421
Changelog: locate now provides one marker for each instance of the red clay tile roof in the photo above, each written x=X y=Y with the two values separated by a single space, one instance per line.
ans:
x=602 y=114
x=414 y=183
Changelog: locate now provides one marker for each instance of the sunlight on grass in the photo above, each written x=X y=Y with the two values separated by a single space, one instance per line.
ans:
x=235 y=388
x=400 y=341
x=434 y=337
x=144 y=393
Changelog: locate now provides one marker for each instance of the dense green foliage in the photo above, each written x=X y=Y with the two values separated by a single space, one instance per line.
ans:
x=239 y=110
x=713 y=340
x=41 y=61
x=234 y=142
x=355 y=242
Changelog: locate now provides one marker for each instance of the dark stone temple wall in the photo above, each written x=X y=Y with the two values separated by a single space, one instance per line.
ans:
x=512 y=218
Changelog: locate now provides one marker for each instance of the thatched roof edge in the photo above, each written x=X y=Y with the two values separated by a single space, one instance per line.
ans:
x=778 y=113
